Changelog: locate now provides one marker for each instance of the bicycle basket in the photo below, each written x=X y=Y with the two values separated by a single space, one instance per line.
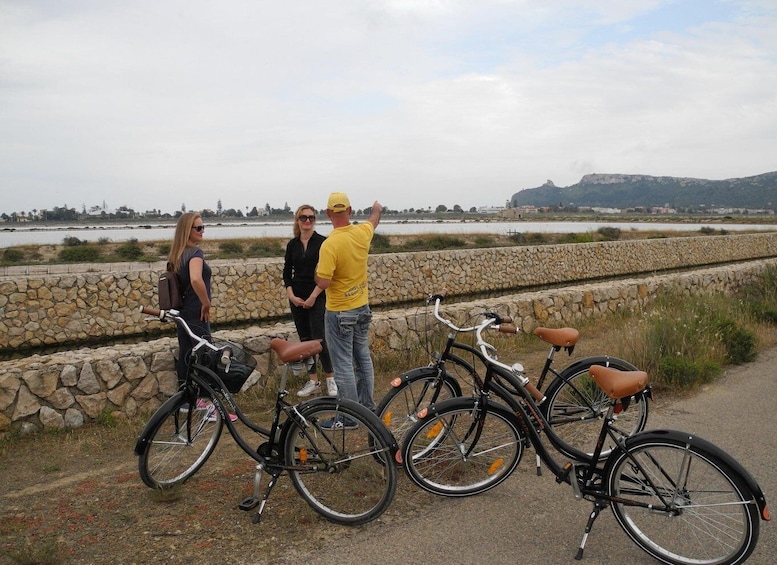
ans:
x=240 y=368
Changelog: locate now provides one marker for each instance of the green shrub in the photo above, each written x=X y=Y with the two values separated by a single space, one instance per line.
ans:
x=760 y=296
x=577 y=238
x=681 y=372
x=265 y=248
x=163 y=249
x=380 y=243
x=536 y=238
x=12 y=255
x=518 y=238
x=231 y=248
x=484 y=241
x=434 y=243
x=80 y=254
x=740 y=343
x=130 y=251
x=104 y=240
x=71 y=241
x=609 y=233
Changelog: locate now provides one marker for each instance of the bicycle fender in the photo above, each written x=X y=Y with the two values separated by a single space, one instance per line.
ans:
x=458 y=403
x=604 y=360
x=717 y=453
x=142 y=442
x=423 y=373
x=365 y=413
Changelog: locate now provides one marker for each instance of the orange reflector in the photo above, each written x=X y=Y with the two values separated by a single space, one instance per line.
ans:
x=494 y=467
x=434 y=431
x=423 y=413
x=398 y=457
x=396 y=381
x=387 y=419
x=303 y=455
x=765 y=514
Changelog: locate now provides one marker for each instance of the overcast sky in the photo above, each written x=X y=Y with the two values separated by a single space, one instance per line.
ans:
x=157 y=103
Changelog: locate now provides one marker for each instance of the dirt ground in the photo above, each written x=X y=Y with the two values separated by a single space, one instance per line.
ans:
x=75 y=497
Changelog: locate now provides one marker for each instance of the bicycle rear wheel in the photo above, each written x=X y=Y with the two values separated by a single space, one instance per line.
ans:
x=460 y=449
x=701 y=511
x=342 y=460
x=575 y=406
x=399 y=407
x=177 y=442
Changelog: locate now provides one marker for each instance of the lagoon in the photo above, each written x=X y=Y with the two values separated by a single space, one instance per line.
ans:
x=53 y=235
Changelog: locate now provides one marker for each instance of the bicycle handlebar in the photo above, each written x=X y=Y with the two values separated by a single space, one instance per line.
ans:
x=500 y=323
x=516 y=369
x=174 y=316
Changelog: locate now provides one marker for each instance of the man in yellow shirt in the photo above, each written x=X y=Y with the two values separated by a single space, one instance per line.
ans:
x=342 y=272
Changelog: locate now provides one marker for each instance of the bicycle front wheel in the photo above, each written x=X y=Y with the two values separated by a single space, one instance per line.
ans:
x=399 y=407
x=461 y=449
x=575 y=406
x=177 y=442
x=681 y=504
x=341 y=460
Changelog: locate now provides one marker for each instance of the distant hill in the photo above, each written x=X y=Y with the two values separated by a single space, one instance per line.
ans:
x=630 y=191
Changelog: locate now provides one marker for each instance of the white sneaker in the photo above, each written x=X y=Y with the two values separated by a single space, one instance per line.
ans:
x=331 y=386
x=311 y=387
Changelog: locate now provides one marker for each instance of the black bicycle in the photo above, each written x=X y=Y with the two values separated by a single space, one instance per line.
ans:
x=678 y=497
x=572 y=404
x=335 y=451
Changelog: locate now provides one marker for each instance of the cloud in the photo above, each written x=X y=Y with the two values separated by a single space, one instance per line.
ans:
x=412 y=103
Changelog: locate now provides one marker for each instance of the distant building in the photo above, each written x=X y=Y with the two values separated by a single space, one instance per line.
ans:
x=490 y=209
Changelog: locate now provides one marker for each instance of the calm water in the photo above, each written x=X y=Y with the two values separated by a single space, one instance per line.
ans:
x=10 y=237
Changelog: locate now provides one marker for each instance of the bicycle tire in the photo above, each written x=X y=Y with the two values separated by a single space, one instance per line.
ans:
x=345 y=475
x=444 y=454
x=409 y=394
x=575 y=405
x=714 y=519
x=176 y=444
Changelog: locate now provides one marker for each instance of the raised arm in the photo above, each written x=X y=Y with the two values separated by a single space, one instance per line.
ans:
x=377 y=210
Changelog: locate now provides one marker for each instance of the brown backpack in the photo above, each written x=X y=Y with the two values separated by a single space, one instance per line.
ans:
x=169 y=289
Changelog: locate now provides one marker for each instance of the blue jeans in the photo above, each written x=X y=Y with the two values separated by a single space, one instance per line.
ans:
x=349 y=348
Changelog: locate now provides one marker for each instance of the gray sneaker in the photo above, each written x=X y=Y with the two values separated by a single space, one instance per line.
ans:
x=311 y=387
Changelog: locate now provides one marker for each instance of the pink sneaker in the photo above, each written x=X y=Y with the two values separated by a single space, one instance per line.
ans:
x=211 y=415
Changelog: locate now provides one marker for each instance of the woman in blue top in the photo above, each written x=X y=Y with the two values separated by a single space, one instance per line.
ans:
x=306 y=300
x=193 y=273
x=188 y=261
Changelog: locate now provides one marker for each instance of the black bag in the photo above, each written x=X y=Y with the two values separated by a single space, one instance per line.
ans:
x=169 y=289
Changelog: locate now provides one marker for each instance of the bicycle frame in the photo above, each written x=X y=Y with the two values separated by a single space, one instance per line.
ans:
x=202 y=381
x=584 y=485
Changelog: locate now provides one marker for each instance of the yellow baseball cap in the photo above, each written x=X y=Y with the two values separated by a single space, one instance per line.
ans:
x=338 y=202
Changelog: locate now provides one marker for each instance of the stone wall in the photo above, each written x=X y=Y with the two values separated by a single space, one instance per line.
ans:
x=67 y=389
x=74 y=304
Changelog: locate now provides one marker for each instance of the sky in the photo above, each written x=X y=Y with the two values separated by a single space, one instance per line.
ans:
x=160 y=104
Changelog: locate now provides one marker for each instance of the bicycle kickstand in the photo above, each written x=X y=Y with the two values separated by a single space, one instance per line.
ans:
x=256 y=500
x=598 y=506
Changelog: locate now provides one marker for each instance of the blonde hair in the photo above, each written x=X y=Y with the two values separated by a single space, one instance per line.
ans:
x=181 y=239
x=295 y=227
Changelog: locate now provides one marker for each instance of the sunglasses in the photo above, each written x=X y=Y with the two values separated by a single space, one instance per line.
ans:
x=198 y=228
x=306 y=218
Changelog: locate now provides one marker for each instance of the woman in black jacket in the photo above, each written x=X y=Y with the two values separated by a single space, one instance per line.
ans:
x=307 y=301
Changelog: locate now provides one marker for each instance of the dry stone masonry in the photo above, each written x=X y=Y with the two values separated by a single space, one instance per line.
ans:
x=67 y=389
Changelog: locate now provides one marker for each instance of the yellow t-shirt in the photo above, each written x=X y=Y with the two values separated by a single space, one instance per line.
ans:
x=343 y=260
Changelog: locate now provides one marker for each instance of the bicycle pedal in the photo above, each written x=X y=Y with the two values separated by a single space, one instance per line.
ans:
x=564 y=476
x=249 y=503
